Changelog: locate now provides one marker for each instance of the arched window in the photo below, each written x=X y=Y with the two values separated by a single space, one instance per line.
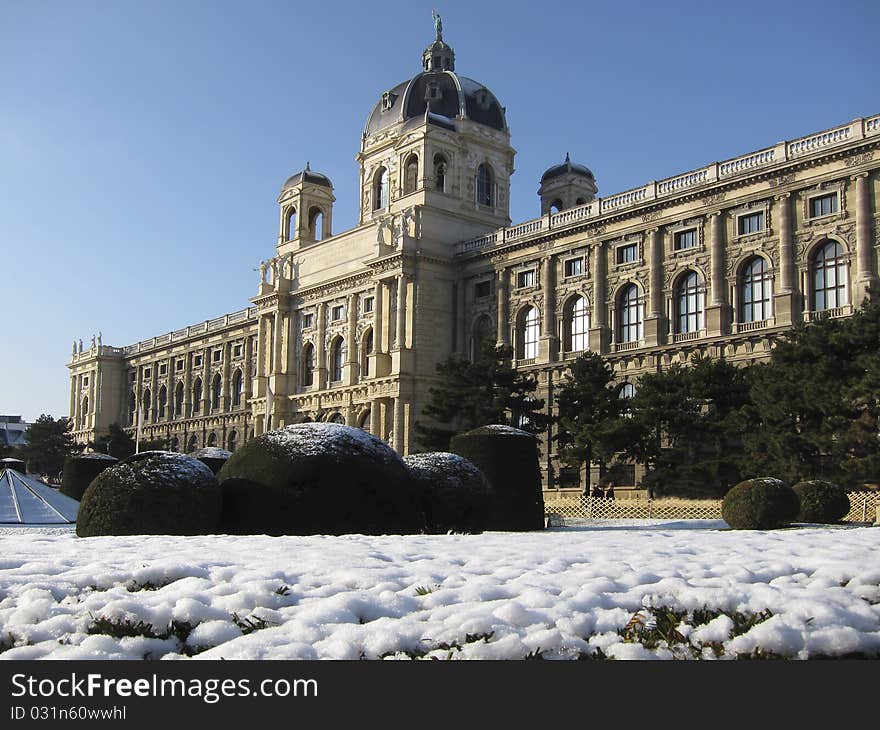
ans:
x=85 y=405
x=485 y=183
x=364 y=421
x=337 y=359
x=690 y=303
x=291 y=224
x=366 y=351
x=756 y=291
x=192 y=445
x=132 y=407
x=316 y=223
x=212 y=439
x=337 y=418
x=626 y=392
x=527 y=334
x=307 y=373
x=481 y=334
x=556 y=206
x=829 y=277
x=380 y=189
x=440 y=166
x=630 y=314
x=577 y=325
x=231 y=441
x=580 y=201
x=163 y=401
x=178 y=400
x=216 y=391
x=411 y=175
x=174 y=445
x=146 y=401
x=197 y=395
x=237 y=387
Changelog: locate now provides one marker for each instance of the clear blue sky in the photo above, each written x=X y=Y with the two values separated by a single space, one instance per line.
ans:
x=143 y=144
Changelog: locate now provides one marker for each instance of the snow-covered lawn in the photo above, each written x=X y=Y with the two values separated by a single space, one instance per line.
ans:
x=562 y=593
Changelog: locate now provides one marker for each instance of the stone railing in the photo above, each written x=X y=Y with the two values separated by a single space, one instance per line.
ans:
x=752 y=326
x=694 y=179
x=687 y=336
x=201 y=328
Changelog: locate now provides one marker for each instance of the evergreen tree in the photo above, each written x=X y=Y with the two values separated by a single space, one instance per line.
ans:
x=116 y=442
x=485 y=391
x=49 y=442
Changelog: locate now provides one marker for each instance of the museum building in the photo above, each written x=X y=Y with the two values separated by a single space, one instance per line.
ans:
x=349 y=327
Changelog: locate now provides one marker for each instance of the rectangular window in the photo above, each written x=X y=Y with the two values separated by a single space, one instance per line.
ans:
x=337 y=312
x=217 y=354
x=750 y=223
x=525 y=278
x=85 y=380
x=574 y=267
x=148 y=373
x=197 y=361
x=823 y=205
x=685 y=239
x=482 y=289
x=368 y=305
x=132 y=376
x=179 y=365
x=237 y=350
x=163 y=369
x=628 y=253
x=308 y=321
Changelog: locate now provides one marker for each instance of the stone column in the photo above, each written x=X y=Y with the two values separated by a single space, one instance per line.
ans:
x=549 y=346
x=503 y=298
x=277 y=341
x=400 y=325
x=717 y=313
x=866 y=275
x=378 y=318
x=655 y=322
x=786 y=300
x=599 y=333
x=320 y=379
x=399 y=438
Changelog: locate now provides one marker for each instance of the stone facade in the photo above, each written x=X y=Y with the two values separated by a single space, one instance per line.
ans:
x=350 y=327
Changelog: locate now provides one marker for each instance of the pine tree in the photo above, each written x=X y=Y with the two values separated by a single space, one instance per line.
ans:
x=116 y=442
x=49 y=442
x=471 y=394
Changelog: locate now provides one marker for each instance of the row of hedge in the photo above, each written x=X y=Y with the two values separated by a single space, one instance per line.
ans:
x=767 y=503
x=320 y=478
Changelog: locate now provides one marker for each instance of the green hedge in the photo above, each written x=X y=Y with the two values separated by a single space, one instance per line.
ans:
x=508 y=457
x=454 y=493
x=152 y=493
x=764 y=503
x=821 y=501
x=81 y=470
x=213 y=457
x=318 y=478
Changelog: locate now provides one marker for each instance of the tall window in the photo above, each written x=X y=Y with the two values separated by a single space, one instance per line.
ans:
x=829 y=277
x=626 y=393
x=337 y=359
x=316 y=223
x=197 y=395
x=308 y=364
x=366 y=351
x=163 y=401
x=528 y=333
x=85 y=405
x=691 y=301
x=231 y=441
x=145 y=403
x=178 y=400
x=440 y=173
x=132 y=407
x=291 y=224
x=481 y=333
x=577 y=325
x=411 y=175
x=757 y=291
x=216 y=391
x=380 y=189
x=237 y=388
x=631 y=314
x=484 y=185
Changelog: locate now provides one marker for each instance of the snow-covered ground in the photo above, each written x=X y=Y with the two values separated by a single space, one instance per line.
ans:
x=624 y=590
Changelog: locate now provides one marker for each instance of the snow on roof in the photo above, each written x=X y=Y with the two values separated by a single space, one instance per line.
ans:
x=27 y=501
x=313 y=439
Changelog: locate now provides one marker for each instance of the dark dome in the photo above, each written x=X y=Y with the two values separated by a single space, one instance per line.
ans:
x=309 y=176
x=454 y=97
x=566 y=168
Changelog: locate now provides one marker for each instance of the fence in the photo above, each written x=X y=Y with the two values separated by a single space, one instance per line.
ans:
x=863 y=508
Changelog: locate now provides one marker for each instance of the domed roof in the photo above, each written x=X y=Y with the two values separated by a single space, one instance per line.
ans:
x=566 y=168
x=438 y=94
x=307 y=175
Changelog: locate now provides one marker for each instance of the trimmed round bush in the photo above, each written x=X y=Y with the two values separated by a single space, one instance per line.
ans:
x=821 y=501
x=213 y=457
x=760 y=504
x=454 y=493
x=80 y=470
x=152 y=493
x=318 y=478
x=508 y=457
